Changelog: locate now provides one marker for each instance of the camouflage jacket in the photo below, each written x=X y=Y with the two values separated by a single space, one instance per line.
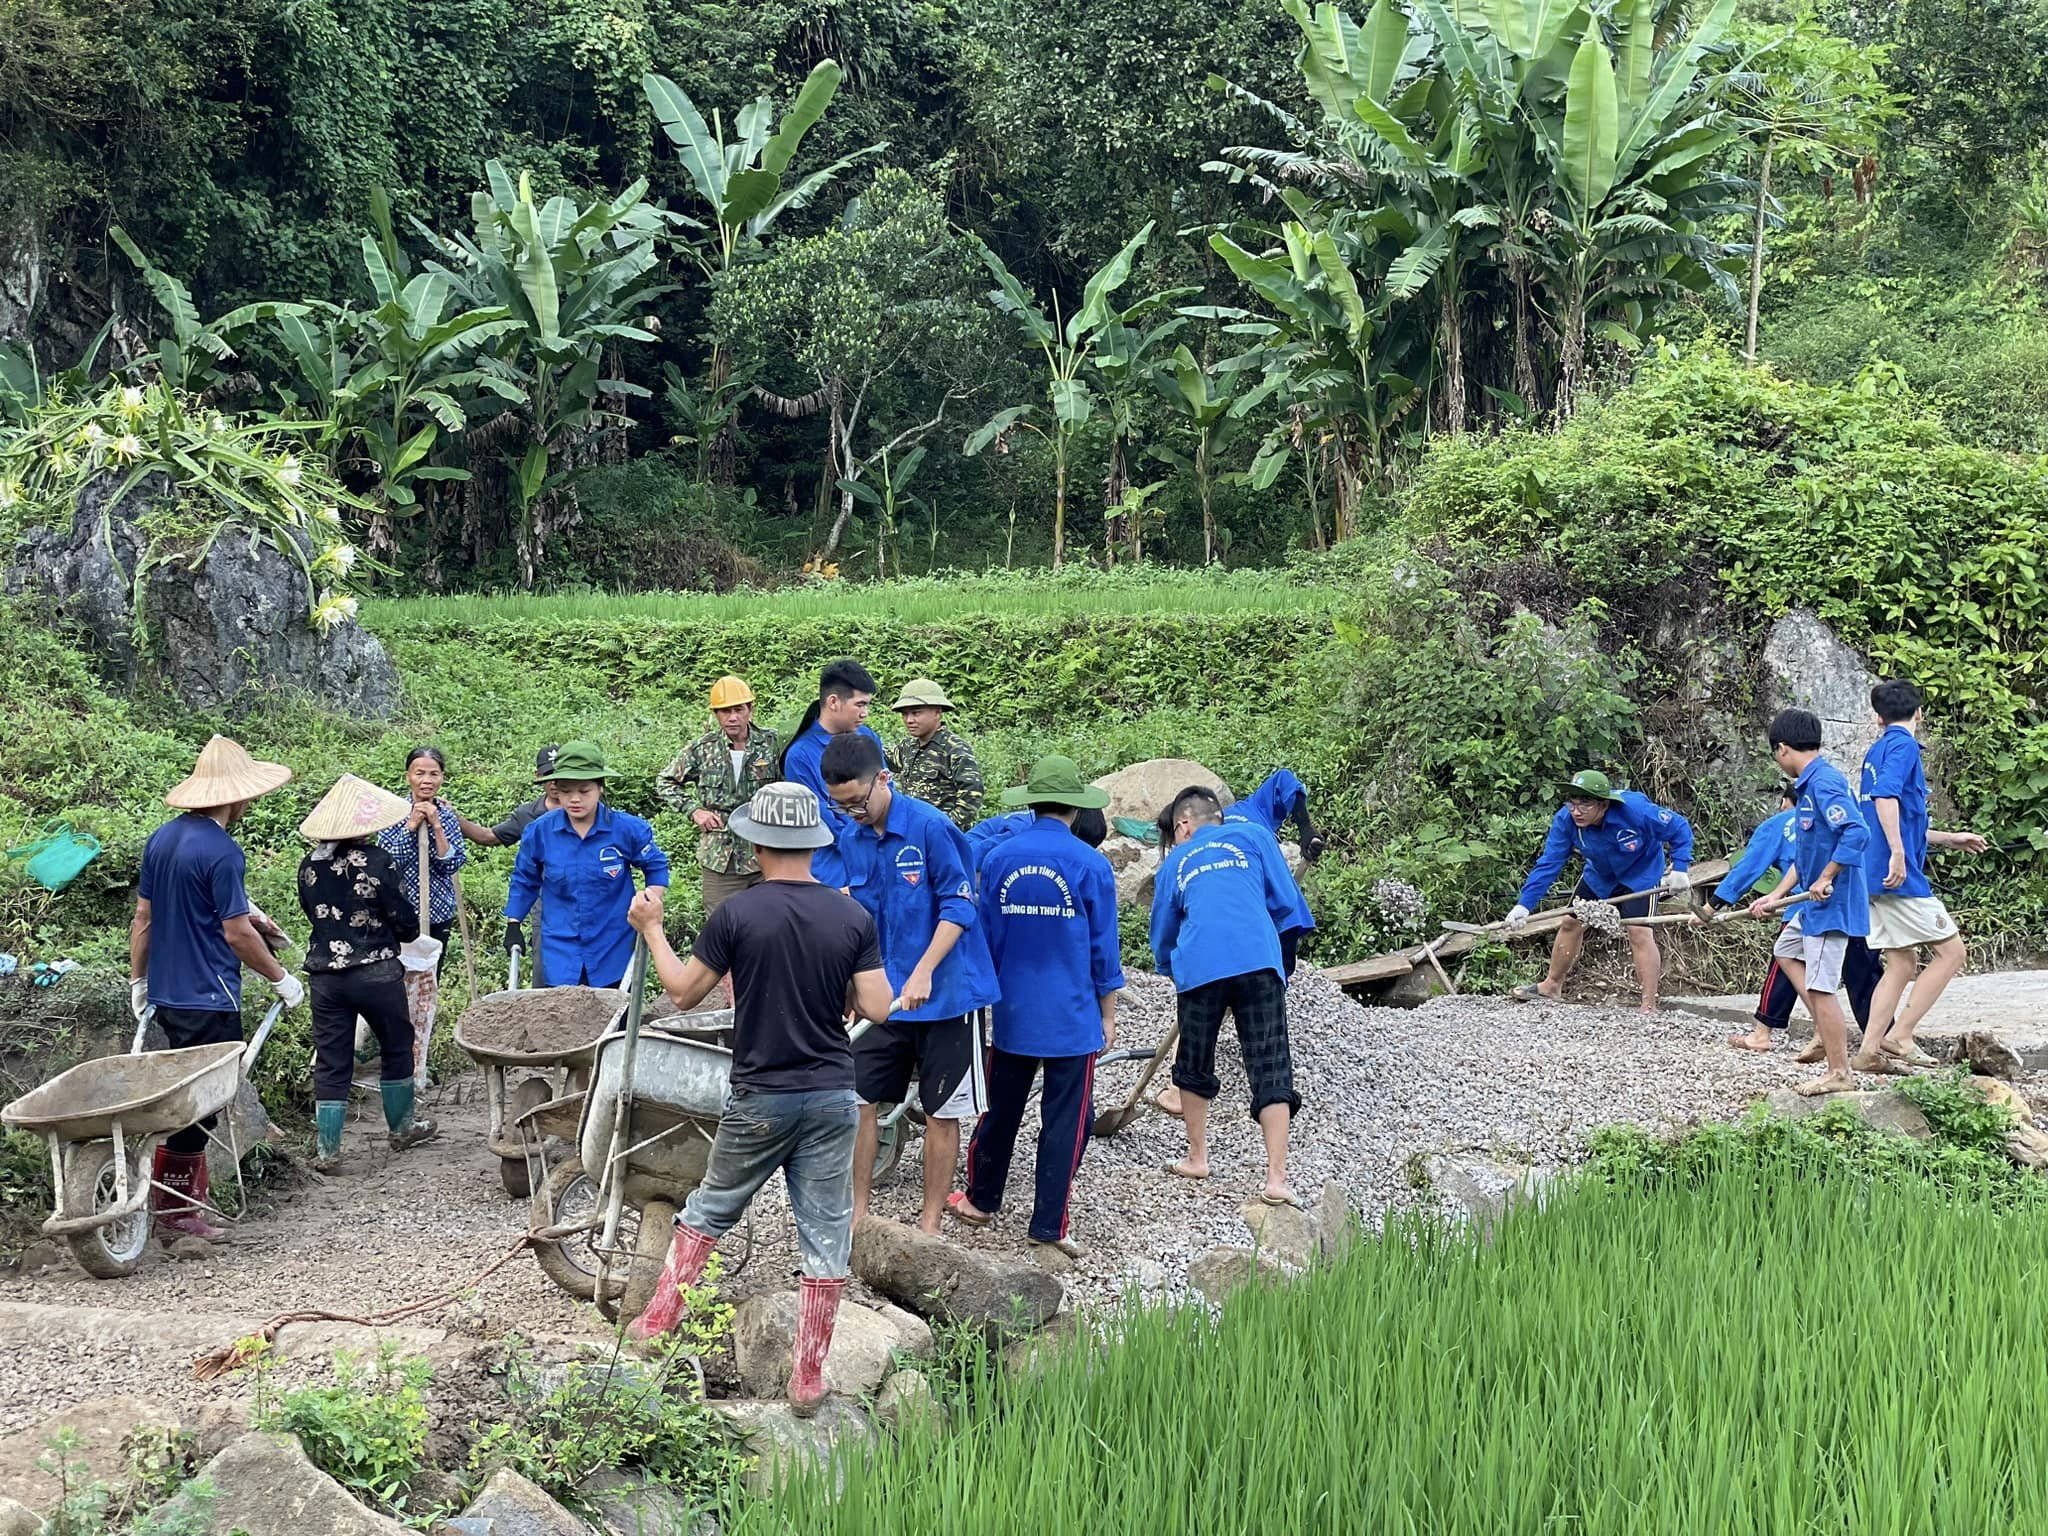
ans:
x=701 y=778
x=940 y=772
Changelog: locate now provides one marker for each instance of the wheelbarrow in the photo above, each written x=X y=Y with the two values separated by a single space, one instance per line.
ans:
x=513 y=1135
x=103 y=1120
x=643 y=1133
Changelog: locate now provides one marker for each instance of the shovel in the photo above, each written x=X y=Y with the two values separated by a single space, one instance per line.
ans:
x=421 y=958
x=1501 y=925
x=1110 y=1121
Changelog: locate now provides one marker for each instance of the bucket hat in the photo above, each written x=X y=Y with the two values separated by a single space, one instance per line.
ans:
x=729 y=692
x=225 y=774
x=544 y=762
x=353 y=808
x=922 y=693
x=1590 y=784
x=579 y=760
x=1055 y=780
x=781 y=815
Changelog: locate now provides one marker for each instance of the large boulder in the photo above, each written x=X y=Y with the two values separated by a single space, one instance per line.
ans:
x=100 y=1429
x=933 y=1278
x=863 y=1351
x=1143 y=789
x=509 y=1505
x=1287 y=1232
x=1884 y=1110
x=782 y=1441
x=263 y=1485
x=1218 y=1271
x=1807 y=666
x=1482 y=1188
x=222 y=637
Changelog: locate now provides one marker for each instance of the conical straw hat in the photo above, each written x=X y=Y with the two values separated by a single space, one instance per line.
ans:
x=225 y=774
x=353 y=808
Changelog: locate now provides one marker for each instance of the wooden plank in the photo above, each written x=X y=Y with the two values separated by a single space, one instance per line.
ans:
x=1393 y=966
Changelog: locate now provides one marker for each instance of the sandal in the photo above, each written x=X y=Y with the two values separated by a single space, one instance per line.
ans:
x=1532 y=993
x=1744 y=1043
x=1286 y=1199
x=955 y=1203
x=1912 y=1056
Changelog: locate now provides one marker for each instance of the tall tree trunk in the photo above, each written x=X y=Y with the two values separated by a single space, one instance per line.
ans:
x=1059 y=501
x=1208 y=506
x=1115 y=520
x=1525 y=349
x=1571 y=344
x=1453 y=353
x=837 y=458
x=1756 y=254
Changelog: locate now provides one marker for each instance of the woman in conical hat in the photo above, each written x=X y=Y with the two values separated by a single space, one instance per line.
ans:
x=361 y=913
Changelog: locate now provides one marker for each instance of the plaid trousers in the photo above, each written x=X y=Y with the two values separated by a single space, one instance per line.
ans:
x=1258 y=1003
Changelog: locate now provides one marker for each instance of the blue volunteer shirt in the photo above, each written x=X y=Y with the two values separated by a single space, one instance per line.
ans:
x=193 y=879
x=1048 y=905
x=1272 y=802
x=1772 y=846
x=800 y=766
x=990 y=833
x=1624 y=853
x=1218 y=904
x=1830 y=830
x=912 y=874
x=588 y=885
x=1892 y=770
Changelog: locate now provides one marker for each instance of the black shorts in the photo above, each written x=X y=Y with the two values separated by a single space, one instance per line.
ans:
x=945 y=1054
x=1258 y=1003
x=1636 y=906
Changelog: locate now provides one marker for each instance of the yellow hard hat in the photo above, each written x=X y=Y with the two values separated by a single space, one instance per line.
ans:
x=728 y=691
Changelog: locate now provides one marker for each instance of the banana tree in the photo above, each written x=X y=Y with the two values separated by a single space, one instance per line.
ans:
x=1066 y=351
x=1216 y=402
x=191 y=358
x=1124 y=353
x=884 y=493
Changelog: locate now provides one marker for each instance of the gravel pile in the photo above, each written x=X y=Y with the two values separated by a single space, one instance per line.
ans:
x=1381 y=1087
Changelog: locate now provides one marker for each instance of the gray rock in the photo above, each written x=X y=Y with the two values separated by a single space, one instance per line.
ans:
x=1482 y=1188
x=862 y=1355
x=1143 y=789
x=913 y=1334
x=904 y=1396
x=263 y=1485
x=515 y=1507
x=935 y=1279
x=626 y=1505
x=18 y=1519
x=1336 y=1224
x=101 y=1427
x=1287 y=1232
x=1222 y=1269
x=1883 y=1109
x=223 y=637
x=1806 y=666
x=1986 y=1053
x=1120 y=850
x=782 y=1442
x=1034 y=1352
x=1146 y=1275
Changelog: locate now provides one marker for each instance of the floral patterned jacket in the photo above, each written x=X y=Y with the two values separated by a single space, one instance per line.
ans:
x=355 y=899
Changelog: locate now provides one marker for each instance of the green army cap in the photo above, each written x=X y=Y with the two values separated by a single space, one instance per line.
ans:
x=922 y=693
x=1055 y=780
x=1590 y=784
x=578 y=761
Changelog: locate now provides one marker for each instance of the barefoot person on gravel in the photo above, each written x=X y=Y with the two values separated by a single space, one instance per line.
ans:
x=911 y=869
x=798 y=953
x=1218 y=902
x=1827 y=861
x=1048 y=905
x=1623 y=839
x=192 y=933
x=1905 y=914
x=361 y=912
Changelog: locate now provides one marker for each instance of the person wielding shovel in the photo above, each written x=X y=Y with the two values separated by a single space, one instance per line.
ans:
x=581 y=857
x=1623 y=839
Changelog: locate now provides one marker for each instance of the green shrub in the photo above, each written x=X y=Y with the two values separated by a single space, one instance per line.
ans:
x=368 y=1431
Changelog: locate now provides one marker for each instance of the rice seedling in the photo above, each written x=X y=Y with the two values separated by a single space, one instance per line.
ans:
x=1775 y=1344
x=1033 y=595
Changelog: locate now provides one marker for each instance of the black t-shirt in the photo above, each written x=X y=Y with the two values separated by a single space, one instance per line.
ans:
x=792 y=948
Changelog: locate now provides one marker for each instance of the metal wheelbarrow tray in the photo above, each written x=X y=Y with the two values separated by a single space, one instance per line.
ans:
x=143 y=1095
x=510 y=1108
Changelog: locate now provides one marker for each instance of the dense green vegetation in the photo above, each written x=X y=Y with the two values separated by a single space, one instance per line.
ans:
x=1660 y=1346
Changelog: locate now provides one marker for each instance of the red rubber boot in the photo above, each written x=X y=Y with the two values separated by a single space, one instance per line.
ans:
x=817 y=1310
x=687 y=1256
x=180 y=1201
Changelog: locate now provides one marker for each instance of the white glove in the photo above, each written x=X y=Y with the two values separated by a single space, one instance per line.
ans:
x=1517 y=918
x=138 y=997
x=289 y=989
x=1676 y=882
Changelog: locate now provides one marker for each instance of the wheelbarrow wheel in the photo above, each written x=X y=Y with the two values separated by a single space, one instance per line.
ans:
x=889 y=1149
x=90 y=1183
x=512 y=1171
x=650 y=1252
x=570 y=1196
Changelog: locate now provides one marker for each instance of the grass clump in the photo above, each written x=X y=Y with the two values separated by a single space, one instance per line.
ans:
x=1759 y=1337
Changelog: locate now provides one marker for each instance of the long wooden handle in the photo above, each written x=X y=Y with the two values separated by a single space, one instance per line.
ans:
x=426 y=906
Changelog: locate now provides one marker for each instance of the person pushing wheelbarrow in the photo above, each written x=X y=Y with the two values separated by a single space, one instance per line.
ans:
x=795 y=950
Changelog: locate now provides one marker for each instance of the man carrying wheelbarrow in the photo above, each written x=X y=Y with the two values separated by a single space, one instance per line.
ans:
x=192 y=933
x=1623 y=838
x=795 y=950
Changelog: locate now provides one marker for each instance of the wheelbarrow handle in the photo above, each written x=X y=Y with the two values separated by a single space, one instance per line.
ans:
x=255 y=1045
x=142 y=1027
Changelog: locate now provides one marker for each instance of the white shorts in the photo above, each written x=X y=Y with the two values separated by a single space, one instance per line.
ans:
x=1907 y=922
x=1821 y=953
